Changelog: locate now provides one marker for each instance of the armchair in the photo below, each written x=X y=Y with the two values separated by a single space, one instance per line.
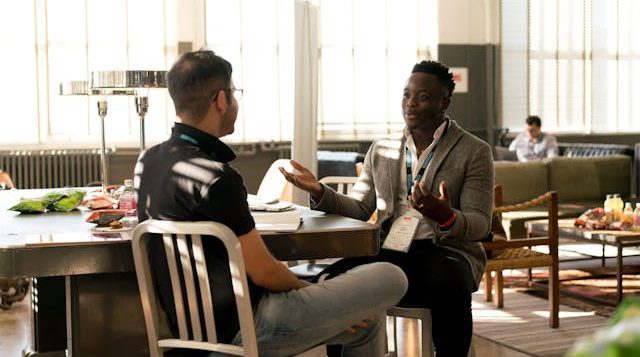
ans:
x=517 y=254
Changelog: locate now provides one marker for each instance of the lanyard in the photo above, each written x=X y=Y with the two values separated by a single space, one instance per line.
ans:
x=195 y=142
x=420 y=172
x=425 y=164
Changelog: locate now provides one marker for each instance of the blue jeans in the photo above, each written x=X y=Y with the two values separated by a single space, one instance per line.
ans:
x=292 y=322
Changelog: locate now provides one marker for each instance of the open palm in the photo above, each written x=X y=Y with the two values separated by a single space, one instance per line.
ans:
x=304 y=179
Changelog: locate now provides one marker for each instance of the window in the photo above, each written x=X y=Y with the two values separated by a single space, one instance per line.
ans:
x=367 y=50
x=53 y=41
x=257 y=38
x=571 y=62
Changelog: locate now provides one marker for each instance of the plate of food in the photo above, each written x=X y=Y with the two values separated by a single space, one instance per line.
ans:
x=109 y=229
x=112 y=221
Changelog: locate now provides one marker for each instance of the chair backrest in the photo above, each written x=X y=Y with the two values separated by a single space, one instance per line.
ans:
x=5 y=181
x=359 y=168
x=179 y=239
x=496 y=222
x=274 y=185
x=551 y=198
x=342 y=184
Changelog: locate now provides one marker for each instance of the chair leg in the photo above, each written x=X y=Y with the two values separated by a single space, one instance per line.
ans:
x=487 y=286
x=427 y=338
x=554 y=296
x=499 y=287
x=395 y=336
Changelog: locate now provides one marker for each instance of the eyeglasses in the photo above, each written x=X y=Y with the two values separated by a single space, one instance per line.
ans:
x=237 y=93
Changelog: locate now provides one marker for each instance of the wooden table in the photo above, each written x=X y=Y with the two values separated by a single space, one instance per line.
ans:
x=85 y=293
x=567 y=230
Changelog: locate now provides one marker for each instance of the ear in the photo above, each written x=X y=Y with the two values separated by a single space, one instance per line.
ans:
x=221 y=102
x=445 y=103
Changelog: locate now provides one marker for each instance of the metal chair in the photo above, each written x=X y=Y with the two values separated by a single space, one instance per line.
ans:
x=424 y=316
x=342 y=184
x=194 y=274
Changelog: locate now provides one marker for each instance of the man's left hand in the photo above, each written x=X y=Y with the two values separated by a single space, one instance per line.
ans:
x=424 y=201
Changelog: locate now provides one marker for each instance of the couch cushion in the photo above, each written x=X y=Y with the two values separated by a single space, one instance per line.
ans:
x=513 y=222
x=521 y=181
x=589 y=178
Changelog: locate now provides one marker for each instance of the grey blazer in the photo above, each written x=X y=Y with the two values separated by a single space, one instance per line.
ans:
x=461 y=159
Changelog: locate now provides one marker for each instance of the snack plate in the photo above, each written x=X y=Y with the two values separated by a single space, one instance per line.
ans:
x=110 y=230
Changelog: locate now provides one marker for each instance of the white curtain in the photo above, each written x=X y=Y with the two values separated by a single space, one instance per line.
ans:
x=305 y=143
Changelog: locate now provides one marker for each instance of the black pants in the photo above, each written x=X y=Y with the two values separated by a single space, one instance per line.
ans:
x=440 y=280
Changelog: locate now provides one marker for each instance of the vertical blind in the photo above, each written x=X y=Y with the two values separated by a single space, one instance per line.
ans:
x=572 y=62
x=46 y=42
x=367 y=49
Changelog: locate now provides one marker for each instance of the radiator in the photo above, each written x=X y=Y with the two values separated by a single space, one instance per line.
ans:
x=52 y=168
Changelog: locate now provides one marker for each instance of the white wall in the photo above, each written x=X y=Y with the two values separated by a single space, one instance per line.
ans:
x=469 y=21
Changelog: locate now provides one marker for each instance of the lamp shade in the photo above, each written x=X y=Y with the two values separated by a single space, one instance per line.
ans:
x=82 y=88
x=128 y=79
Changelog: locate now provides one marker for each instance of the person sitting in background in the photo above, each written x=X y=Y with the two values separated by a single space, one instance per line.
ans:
x=533 y=144
x=5 y=181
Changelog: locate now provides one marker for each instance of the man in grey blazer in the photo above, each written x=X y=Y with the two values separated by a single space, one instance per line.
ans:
x=432 y=187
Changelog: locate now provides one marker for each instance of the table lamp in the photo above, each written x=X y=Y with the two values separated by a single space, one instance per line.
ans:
x=134 y=80
x=82 y=88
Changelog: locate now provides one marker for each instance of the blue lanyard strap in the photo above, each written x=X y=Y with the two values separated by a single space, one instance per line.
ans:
x=425 y=164
x=189 y=139
x=195 y=142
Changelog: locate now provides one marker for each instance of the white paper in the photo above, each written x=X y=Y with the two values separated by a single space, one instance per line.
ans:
x=258 y=204
x=287 y=221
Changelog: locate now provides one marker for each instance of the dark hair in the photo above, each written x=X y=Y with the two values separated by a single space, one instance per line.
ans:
x=534 y=120
x=194 y=80
x=445 y=78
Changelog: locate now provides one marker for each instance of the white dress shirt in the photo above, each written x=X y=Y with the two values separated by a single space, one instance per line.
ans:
x=529 y=150
x=426 y=228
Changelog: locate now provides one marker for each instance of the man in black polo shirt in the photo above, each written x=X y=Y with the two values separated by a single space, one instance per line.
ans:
x=188 y=178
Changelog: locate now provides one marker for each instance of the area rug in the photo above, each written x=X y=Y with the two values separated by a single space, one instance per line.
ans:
x=523 y=324
x=587 y=289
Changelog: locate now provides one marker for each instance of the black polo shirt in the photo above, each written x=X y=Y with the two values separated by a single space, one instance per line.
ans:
x=188 y=178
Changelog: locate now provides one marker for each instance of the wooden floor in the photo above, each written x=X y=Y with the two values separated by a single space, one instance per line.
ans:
x=409 y=343
x=15 y=333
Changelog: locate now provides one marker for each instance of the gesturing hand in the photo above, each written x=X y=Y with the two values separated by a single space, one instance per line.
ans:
x=425 y=202
x=303 y=180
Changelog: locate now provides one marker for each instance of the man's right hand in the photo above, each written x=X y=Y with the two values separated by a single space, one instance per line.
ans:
x=303 y=180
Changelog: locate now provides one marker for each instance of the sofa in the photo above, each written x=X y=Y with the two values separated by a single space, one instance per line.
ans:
x=573 y=150
x=581 y=183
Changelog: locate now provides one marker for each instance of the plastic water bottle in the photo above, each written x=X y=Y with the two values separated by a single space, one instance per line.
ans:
x=127 y=199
